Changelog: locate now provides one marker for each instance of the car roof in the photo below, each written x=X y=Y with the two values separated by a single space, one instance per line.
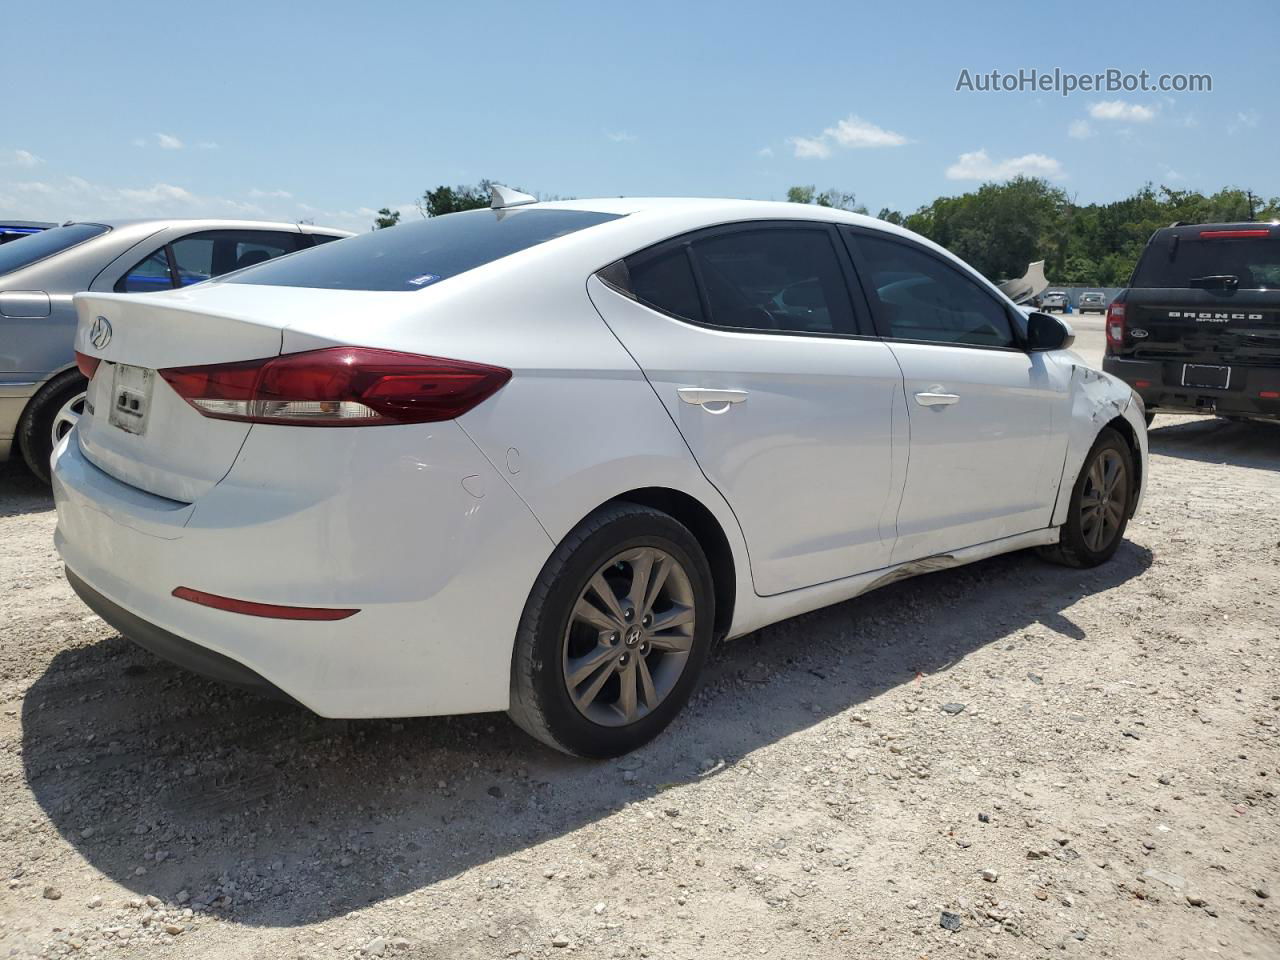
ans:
x=209 y=223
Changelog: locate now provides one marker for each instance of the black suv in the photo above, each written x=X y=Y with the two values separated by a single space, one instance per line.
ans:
x=1198 y=328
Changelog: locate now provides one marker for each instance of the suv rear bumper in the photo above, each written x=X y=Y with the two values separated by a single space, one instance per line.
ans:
x=1159 y=383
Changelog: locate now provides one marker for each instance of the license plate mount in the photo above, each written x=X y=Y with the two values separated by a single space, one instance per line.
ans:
x=1209 y=377
x=130 y=398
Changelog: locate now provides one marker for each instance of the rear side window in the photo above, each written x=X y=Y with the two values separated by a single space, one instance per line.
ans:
x=916 y=296
x=415 y=255
x=150 y=274
x=319 y=238
x=38 y=246
x=1187 y=259
x=666 y=281
x=199 y=256
x=787 y=280
x=772 y=279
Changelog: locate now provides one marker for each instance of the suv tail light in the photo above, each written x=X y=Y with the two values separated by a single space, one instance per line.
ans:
x=338 y=387
x=1115 y=325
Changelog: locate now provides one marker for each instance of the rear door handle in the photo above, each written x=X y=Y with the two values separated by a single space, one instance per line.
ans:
x=712 y=401
x=930 y=398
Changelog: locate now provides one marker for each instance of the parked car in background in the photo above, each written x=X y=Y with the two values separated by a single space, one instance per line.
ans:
x=11 y=230
x=41 y=391
x=539 y=458
x=1055 y=300
x=1198 y=328
x=1091 y=301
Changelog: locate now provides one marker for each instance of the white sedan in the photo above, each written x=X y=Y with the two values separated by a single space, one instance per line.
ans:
x=540 y=458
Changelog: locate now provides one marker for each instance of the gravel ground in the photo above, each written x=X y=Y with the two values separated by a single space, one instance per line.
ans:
x=1006 y=760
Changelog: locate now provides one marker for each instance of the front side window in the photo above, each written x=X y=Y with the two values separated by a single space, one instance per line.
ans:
x=771 y=279
x=916 y=296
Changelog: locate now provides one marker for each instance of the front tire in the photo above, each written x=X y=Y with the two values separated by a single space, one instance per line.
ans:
x=614 y=635
x=1101 y=502
x=49 y=417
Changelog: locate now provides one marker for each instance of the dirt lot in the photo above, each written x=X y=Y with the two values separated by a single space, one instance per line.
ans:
x=1007 y=760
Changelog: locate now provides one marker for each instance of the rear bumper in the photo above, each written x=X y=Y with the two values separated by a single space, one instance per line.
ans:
x=1162 y=391
x=377 y=519
x=171 y=647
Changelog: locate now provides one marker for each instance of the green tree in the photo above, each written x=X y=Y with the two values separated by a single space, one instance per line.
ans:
x=827 y=198
x=386 y=218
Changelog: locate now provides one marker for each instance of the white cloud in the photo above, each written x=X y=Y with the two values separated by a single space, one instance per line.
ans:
x=620 y=136
x=855 y=132
x=1080 y=130
x=19 y=158
x=811 y=148
x=168 y=141
x=765 y=152
x=851 y=133
x=1245 y=120
x=206 y=145
x=274 y=194
x=1171 y=175
x=1121 y=110
x=979 y=166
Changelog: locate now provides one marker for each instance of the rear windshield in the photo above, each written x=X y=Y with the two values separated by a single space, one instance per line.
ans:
x=415 y=255
x=38 y=246
x=1190 y=261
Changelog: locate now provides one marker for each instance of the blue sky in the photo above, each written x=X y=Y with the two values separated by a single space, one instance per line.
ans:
x=327 y=111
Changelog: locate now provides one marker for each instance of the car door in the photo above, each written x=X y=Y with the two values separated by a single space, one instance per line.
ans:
x=748 y=335
x=983 y=448
x=181 y=257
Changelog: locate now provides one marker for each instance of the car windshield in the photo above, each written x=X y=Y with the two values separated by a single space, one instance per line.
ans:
x=22 y=253
x=1189 y=261
x=412 y=256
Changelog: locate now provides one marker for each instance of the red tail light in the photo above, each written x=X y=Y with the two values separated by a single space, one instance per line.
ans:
x=1115 y=325
x=88 y=365
x=338 y=387
x=1232 y=234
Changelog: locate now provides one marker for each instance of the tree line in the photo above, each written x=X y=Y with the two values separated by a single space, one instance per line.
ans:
x=1001 y=227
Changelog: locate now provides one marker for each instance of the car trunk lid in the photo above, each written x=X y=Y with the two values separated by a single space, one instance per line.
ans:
x=135 y=427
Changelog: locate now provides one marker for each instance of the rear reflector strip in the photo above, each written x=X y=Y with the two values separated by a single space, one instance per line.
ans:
x=271 y=610
x=1270 y=395
x=1232 y=234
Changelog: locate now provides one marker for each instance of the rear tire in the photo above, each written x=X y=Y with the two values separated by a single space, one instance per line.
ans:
x=49 y=409
x=596 y=675
x=1101 y=501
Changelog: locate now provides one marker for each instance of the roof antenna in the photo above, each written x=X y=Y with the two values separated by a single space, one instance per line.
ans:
x=501 y=197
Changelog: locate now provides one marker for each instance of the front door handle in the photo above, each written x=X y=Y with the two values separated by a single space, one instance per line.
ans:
x=934 y=398
x=712 y=401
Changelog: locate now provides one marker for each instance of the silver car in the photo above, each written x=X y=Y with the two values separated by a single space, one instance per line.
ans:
x=1093 y=300
x=41 y=391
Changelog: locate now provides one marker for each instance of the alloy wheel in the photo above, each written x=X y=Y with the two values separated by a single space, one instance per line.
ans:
x=67 y=416
x=629 y=636
x=1104 y=500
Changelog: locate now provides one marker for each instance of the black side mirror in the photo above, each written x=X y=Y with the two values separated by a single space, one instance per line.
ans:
x=1045 y=332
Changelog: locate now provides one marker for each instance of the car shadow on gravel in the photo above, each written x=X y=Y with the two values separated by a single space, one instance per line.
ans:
x=1244 y=443
x=266 y=815
x=21 y=492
